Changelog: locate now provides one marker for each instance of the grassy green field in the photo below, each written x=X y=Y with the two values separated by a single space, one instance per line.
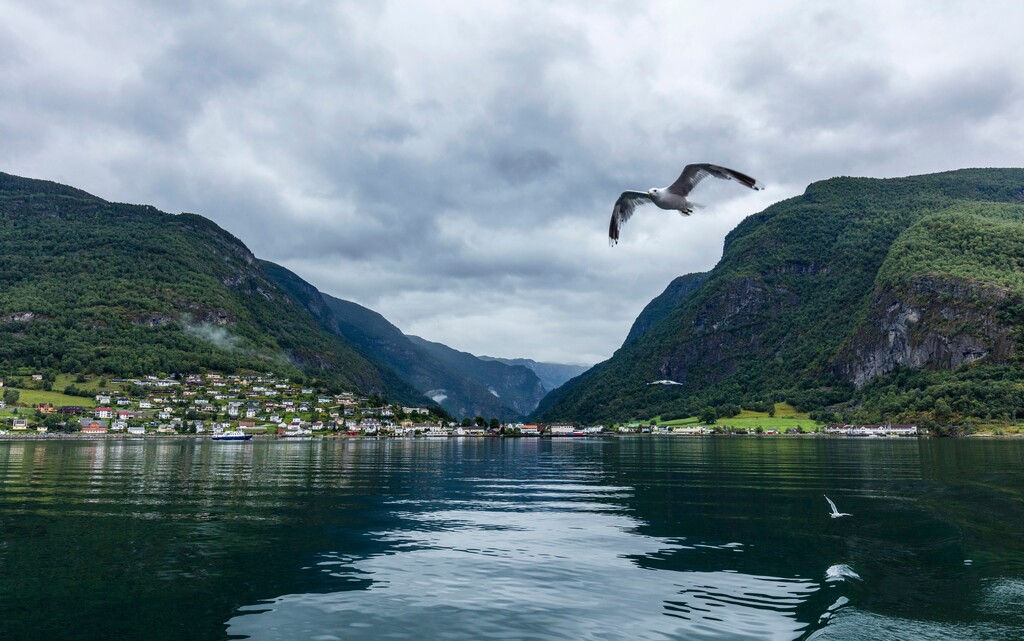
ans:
x=92 y=383
x=30 y=397
x=785 y=417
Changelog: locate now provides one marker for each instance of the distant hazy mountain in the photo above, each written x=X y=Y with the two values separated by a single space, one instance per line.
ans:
x=462 y=386
x=518 y=387
x=552 y=375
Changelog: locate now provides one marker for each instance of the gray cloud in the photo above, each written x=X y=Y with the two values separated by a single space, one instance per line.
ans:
x=454 y=166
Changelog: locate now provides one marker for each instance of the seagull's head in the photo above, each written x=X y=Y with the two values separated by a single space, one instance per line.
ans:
x=652 y=192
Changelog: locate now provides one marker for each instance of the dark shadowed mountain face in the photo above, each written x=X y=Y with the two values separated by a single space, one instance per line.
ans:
x=897 y=299
x=515 y=386
x=304 y=294
x=462 y=386
x=89 y=285
x=551 y=375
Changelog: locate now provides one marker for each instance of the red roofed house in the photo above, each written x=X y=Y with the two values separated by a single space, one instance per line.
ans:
x=94 y=428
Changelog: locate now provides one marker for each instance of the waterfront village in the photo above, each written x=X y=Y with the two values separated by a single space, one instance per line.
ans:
x=212 y=403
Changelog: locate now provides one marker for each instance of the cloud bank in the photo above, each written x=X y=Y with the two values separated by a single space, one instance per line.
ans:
x=453 y=165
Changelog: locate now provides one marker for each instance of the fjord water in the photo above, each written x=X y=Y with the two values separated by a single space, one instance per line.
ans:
x=626 y=538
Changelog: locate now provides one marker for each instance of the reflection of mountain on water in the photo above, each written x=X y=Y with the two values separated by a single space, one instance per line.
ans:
x=526 y=538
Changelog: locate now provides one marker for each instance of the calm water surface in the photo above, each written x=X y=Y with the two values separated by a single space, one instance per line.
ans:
x=630 y=538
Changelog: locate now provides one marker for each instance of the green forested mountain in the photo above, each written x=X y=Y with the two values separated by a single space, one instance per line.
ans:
x=460 y=383
x=862 y=299
x=92 y=286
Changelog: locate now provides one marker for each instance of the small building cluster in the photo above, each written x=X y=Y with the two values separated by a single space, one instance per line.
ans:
x=872 y=430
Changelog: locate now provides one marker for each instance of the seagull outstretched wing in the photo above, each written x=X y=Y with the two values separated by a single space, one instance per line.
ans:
x=693 y=174
x=624 y=207
x=835 y=511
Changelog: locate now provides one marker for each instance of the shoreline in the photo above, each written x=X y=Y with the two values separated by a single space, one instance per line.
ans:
x=345 y=437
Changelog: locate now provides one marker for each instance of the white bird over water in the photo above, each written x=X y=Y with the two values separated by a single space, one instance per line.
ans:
x=673 y=196
x=835 y=512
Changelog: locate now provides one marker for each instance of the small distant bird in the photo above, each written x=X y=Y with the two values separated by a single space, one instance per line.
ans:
x=835 y=512
x=673 y=196
x=664 y=381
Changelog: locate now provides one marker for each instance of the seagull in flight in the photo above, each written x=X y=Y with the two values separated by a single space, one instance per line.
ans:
x=673 y=196
x=835 y=512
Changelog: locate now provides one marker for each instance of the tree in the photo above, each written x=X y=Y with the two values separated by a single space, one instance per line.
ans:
x=480 y=421
x=942 y=410
x=707 y=415
x=11 y=396
x=495 y=423
x=466 y=422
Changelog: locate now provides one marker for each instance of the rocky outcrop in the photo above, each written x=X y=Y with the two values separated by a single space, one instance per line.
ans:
x=935 y=323
x=20 y=317
x=726 y=328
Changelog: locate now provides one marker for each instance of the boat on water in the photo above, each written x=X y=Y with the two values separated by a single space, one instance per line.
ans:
x=236 y=435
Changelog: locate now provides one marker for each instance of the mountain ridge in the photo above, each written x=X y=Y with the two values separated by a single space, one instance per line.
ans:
x=432 y=369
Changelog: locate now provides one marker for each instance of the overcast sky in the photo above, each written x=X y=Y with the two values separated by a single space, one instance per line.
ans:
x=453 y=165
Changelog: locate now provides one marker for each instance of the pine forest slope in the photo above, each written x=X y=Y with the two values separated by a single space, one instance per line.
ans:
x=862 y=299
x=89 y=285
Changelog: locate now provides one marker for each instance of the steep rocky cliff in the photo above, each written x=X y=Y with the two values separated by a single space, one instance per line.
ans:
x=935 y=323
